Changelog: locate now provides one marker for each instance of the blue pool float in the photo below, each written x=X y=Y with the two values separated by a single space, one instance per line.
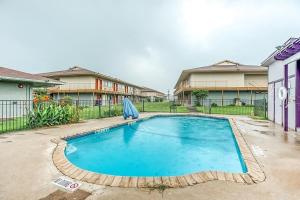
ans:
x=129 y=109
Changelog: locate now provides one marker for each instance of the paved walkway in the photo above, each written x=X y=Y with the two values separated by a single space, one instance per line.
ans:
x=26 y=167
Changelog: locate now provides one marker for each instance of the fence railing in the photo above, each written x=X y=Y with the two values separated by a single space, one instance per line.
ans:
x=15 y=114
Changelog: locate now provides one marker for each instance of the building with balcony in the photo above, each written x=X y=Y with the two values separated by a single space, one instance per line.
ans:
x=225 y=80
x=86 y=85
x=153 y=95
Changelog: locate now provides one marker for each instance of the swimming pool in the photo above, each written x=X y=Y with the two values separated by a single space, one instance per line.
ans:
x=159 y=146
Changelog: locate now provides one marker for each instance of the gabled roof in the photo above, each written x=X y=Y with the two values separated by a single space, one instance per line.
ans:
x=222 y=67
x=284 y=48
x=146 y=89
x=80 y=71
x=12 y=75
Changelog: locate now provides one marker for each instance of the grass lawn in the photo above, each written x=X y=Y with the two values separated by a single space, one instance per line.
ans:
x=13 y=124
x=93 y=112
x=227 y=110
x=162 y=107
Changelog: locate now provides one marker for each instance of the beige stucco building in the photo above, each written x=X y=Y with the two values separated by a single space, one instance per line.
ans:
x=86 y=85
x=153 y=95
x=225 y=81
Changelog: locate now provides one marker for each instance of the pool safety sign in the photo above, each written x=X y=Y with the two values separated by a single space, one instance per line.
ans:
x=66 y=183
x=257 y=151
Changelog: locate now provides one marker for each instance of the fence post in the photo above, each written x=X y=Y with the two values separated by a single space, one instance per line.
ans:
x=109 y=110
x=77 y=104
x=77 y=109
x=209 y=106
x=99 y=110
x=265 y=108
x=143 y=102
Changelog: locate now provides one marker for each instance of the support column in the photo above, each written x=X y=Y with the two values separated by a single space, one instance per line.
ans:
x=297 y=97
x=251 y=97
x=222 y=97
x=274 y=99
x=286 y=111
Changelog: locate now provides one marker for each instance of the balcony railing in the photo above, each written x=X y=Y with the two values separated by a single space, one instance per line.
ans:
x=91 y=86
x=220 y=84
x=208 y=83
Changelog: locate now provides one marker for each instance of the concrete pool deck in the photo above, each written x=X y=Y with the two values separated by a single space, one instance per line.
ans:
x=27 y=168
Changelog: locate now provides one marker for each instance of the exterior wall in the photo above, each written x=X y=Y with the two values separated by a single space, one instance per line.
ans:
x=217 y=79
x=88 y=99
x=152 y=95
x=89 y=82
x=256 y=80
x=78 y=82
x=107 y=85
x=16 y=105
x=84 y=99
x=271 y=90
x=276 y=80
x=10 y=91
x=230 y=95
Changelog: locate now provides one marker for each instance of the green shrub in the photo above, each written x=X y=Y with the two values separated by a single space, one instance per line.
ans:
x=214 y=105
x=51 y=114
x=66 y=100
x=113 y=112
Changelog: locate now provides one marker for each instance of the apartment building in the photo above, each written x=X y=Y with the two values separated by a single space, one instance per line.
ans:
x=284 y=84
x=224 y=81
x=86 y=85
x=153 y=95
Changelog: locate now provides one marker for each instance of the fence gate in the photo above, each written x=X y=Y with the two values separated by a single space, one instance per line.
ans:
x=260 y=108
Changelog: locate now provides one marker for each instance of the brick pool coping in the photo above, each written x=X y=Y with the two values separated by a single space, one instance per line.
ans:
x=254 y=174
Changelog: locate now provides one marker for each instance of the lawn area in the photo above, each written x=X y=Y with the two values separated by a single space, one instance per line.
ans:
x=227 y=110
x=13 y=124
x=162 y=107
x=93 y=112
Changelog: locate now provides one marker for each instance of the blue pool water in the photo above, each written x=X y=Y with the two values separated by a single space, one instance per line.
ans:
x=159 y=146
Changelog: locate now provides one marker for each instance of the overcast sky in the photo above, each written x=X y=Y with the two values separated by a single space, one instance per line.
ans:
x=143 y=42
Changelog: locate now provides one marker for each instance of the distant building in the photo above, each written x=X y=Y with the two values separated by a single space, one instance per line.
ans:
x=153 y=95
x=284 y=74
x=16 y=91
x=86 y=85
x=17 y=85
x=226 y=81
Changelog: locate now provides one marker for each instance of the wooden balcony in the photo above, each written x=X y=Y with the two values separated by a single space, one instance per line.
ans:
x=220 y=86
x=89 y=88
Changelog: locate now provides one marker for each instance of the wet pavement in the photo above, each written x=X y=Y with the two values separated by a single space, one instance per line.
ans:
x=27 y=168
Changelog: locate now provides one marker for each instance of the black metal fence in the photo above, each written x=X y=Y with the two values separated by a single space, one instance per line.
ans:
x=15 y=114
x=227 y=106
x=260 y=108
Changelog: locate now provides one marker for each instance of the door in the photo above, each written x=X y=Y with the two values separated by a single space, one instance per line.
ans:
x=100 y=84
x=278 y=105
x=96 y=84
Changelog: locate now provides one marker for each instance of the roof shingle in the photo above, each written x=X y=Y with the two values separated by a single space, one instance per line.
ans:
x=11 y=74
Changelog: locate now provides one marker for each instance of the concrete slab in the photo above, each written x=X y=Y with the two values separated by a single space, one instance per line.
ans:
x=27 y=168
